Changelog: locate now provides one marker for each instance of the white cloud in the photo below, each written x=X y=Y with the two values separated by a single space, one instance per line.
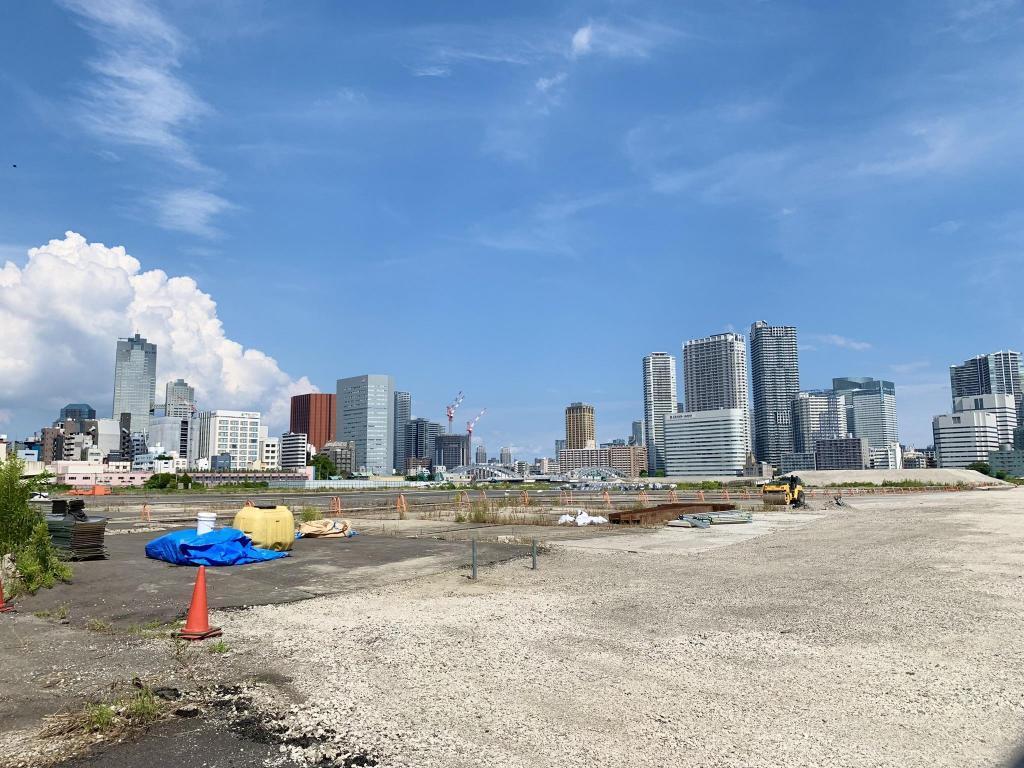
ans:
x=581 y=40
x=547 y=84
x=137 y=96
x=843 y=342
x=633 y=39
x=429 y=70
x=56 y=349
x=190 y=210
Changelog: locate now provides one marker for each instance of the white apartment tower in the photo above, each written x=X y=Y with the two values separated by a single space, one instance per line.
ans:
x=660 y=400
x=235 y=432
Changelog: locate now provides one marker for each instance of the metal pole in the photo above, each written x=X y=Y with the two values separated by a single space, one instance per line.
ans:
x=534 y=548
x=473 y=576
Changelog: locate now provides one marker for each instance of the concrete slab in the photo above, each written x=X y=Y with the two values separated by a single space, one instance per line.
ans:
x=129 y=588
x=668 y=540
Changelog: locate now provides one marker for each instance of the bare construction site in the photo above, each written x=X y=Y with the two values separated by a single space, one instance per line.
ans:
x=880 y=633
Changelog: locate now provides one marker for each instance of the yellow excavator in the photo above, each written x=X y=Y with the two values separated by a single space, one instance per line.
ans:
x=783 y=491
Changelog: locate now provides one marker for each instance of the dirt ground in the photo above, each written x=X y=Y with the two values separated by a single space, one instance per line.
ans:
x=886 y=635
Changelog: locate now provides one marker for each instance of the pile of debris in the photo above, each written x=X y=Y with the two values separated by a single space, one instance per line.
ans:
x=707 y=519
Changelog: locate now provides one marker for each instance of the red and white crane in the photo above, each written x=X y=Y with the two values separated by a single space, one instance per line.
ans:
x=471 y=424
x=453 y=406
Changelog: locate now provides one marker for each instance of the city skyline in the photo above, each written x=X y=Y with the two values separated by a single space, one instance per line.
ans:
x=497 y=156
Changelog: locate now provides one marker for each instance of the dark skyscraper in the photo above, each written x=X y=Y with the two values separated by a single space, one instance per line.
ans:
x=775 y=372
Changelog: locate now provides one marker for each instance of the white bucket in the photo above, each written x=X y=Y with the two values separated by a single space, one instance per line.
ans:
x=205 y=522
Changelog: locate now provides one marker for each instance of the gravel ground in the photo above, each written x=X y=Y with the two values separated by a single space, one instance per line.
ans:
x=888 y=635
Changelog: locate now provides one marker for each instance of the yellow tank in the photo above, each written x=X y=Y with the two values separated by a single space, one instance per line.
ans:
x=268 y=527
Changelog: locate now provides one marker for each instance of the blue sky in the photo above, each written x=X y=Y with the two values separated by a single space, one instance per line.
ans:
x=521 y=200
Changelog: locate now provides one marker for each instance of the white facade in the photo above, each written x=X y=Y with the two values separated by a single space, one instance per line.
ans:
x=964 y=438
x=294 y=450
x=817 y=416
x=171 y=432
x=215 y=432
x=1003 y=407
x=706 y=443
x=270 y=452
x=660 y=400
x=715 y=373
x=889 y=457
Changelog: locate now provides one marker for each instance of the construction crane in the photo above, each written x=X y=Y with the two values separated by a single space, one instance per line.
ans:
x=453 y=406
x=471 y=424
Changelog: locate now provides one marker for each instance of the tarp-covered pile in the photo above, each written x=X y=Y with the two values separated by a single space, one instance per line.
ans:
x=225 y=546
x=332 y=528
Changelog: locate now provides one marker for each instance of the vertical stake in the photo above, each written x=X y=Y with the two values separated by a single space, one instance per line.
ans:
x=534 y=548
x=473 y=548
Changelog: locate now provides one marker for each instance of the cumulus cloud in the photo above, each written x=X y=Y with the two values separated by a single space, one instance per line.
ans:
x=63 y=310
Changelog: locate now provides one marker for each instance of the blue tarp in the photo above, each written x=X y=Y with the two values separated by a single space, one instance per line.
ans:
x=225 y=546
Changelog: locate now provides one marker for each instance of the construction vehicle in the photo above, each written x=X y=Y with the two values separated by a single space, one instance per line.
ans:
x=783 y=491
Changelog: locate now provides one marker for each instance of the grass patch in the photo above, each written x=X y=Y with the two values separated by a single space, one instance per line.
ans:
x=153 y=629
x=218 y=647
x=99 y=718
x=60 y=613
x=309 y=514
x=143 y=707
x=98 y=625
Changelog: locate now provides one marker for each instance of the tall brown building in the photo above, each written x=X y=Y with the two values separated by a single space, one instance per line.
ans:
x=314 y=415
x=579 y=426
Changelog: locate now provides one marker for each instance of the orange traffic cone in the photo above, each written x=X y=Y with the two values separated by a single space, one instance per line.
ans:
x=4 y=608
x=197 y=624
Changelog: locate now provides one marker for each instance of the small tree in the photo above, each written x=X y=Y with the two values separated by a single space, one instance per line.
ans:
x=323 y=467
x=23 y=532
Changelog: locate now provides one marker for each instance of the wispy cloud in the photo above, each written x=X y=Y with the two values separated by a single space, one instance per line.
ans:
x=835 y=340
x=191 y=210
x=431 y=70
x=548 y=84
x=627 y=39
x=137 y=96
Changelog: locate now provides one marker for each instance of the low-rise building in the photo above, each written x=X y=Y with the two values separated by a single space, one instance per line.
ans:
x=797 y=462
x=842 y=453
x=343 y=456
x=965 y=438
x=1008 y=460
x=706 y=443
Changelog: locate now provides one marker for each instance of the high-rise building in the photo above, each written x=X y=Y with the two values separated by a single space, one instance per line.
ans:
x=366 y=417
x=506 y=456
x=817 y=415
x=403 y=414
x=1003 y=407
x=452 y=450
x=715 y=373
x=481 y=454
x=77 y=412
x=660 y=400
x=637 y=436
x=314 y=414
x=135 y=381
x=294 y=450
x=997 y=373
x=870 y=409
x=579 y=426
x=775 y=374
x=964 y=438
x=179 y=399
x=559 y=447
x=420 y=438
x=706 y=443
x=215 y=433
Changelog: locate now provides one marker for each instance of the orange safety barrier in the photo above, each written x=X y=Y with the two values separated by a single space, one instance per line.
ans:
x=146 y=515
